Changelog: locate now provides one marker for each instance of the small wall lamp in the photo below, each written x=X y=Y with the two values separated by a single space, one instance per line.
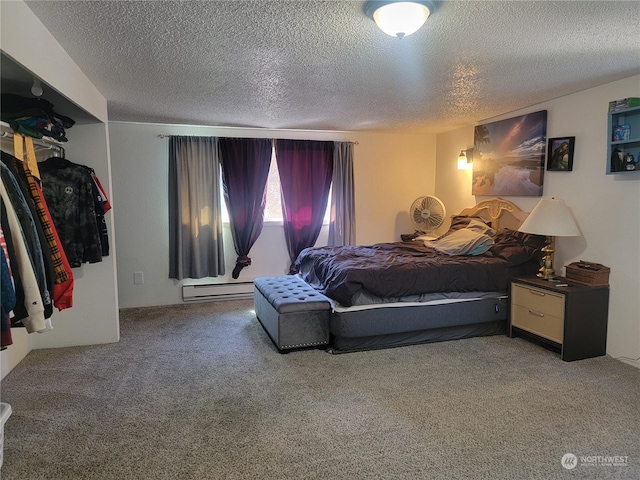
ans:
x=399 y=18
x=465 y=159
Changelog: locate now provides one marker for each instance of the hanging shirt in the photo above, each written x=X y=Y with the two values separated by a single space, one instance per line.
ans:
x=68 y=190
x=63 y=283
x=32 y=233
x=63 y=286
x=35 y=321
x=62 y=276
x=101 y=208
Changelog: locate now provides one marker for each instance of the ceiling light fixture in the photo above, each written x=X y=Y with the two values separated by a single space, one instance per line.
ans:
x=398 y=18
x=36 y=88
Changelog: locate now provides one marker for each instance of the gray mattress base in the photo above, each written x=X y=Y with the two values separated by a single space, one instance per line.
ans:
x=367 y=329
x=357 y=344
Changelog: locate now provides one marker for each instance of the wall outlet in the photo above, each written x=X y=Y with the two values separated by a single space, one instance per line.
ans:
x=138 y=278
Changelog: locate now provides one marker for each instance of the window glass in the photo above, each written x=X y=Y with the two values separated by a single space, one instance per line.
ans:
x=273 y=206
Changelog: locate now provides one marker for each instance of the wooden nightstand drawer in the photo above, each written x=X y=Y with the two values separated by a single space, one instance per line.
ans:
x=533 y=320
x=567 y=316
x=542 y=301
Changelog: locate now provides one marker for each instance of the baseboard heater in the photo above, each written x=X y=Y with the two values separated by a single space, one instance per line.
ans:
x=217 y=291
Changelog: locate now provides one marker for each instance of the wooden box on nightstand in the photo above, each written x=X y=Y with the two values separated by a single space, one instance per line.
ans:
x=573 y=319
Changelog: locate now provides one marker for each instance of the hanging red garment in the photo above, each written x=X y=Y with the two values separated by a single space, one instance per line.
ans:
x=62 y=294
x=106 y=205
x=63 y=289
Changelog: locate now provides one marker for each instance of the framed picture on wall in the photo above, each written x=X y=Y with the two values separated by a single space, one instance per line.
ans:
x=508 y=156
x=560 y=154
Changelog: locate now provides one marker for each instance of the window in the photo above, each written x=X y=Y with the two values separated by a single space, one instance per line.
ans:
x=273 y=207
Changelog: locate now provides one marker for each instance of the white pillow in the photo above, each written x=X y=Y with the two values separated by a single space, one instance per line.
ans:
x=480 y=227
x=426 y=237
x=462 y=242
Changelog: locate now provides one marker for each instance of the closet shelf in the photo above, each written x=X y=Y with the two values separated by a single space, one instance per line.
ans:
x=45 y=142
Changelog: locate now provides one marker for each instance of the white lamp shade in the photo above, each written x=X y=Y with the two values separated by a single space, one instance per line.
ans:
x=551 y=217
x=400 y=19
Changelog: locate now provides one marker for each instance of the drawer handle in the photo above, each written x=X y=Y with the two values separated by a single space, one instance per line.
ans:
x=536 y=292
x=537 y=314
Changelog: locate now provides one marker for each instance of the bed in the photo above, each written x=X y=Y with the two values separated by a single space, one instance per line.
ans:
x=402 y=293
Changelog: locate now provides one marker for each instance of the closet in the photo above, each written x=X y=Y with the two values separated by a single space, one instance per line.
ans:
x=93 y=319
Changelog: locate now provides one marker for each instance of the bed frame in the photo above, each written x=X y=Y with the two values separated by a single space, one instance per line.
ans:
x=355 y=329
x=498 y=212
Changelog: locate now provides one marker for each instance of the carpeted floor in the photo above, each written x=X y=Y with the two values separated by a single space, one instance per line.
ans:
x=199 y=392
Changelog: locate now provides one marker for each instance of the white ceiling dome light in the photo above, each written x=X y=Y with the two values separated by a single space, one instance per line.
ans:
x=399 y=18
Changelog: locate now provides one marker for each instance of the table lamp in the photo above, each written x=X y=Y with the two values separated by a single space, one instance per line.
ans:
x=552 y=218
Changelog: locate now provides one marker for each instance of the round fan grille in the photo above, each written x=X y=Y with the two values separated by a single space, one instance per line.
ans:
x=427 y=213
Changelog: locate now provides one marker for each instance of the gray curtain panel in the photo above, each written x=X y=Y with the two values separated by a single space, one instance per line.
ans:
x=342 y=226
x=195 y=225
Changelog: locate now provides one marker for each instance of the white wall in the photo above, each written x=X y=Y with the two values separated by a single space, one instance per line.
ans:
x=607 y=207
x=390 y=171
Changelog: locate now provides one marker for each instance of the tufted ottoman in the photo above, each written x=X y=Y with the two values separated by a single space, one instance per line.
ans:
x=293 y=313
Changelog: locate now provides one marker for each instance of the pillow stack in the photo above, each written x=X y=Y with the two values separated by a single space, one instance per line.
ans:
x=473 y=239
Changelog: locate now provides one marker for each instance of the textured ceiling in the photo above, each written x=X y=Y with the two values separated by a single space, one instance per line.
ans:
x=324 y=65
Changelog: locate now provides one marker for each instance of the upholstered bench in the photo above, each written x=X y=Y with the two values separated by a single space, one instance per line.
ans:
x=292 y=313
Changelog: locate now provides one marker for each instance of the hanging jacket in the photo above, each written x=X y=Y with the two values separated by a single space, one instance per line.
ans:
x=35 y=321
x=62 y=288
x=35 y=241
x=68 y=191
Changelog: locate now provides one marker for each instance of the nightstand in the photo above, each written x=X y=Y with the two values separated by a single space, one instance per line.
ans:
x=571 y=319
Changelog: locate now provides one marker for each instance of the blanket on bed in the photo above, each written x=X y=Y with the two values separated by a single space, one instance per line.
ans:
x=462 y=242
x=402 y=269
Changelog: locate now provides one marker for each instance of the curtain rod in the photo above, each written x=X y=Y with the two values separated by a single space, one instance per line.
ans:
x=166 y=135
x=38 y=142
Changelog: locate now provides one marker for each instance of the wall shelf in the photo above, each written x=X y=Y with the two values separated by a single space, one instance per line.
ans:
x=618 y=150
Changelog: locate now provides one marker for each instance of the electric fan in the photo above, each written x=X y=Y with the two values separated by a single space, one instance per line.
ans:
x=427 y=213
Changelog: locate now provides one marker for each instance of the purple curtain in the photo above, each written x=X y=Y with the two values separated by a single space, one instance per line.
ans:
x=305 y=168
x=245 y=167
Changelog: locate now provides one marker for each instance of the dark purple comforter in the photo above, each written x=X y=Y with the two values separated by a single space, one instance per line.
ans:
x=403 y=269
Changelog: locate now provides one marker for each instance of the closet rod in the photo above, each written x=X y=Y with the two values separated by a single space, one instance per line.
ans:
x=39 y=143
x=166 y=135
